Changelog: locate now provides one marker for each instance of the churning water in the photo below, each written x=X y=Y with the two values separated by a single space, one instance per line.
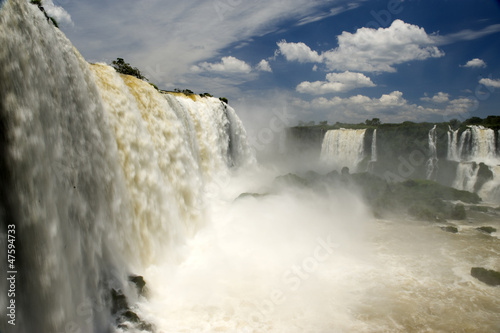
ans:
x=104 y=177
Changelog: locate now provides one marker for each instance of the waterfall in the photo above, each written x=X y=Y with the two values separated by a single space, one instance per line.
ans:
x=343 y=148
x=466 y=176
x=373 y=158
x=490 y=191
x=101 y=174
x=453 y=154
x=476 y=145
x=374 y=146
x=464 y=142
x=432 y=162
x=483 y=144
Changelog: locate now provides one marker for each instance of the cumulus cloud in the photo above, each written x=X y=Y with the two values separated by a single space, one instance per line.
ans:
x=369 y=50
x=490 y=83
x=389 y=107
x=336 y=82
x=475 y=63
x=226 y=65
x=172 y=36
x=264 y=66
x=298 y=52
x=57 y=12
x=440 y=97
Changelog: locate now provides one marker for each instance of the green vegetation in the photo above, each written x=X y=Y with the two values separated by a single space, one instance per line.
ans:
x=490 y=121
x=224 y=99
x=184 y=91
x=373 y=122
x=123 y=67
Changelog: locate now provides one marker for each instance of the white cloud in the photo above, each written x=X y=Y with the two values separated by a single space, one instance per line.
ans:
x=298 y=52
x=57 y=12
x=169 y=37
x=336 y=82
x=440 y=97
x=331 y=12
x=490 y=83
x=370 y=50
x=378 y=50
x=227 y=65
x=467 y=34
x=476 y=62
x=264 y=66
x=392 y=107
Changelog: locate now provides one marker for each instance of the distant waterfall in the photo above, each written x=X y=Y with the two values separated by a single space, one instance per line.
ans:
x=483 y=144
x=463 y=145
x=474 y=145
x=101 y=174
x=453 y=154
x=432 y=162
x=466 y=176
x=343 y=148
x=373 y=158
x=491 y=190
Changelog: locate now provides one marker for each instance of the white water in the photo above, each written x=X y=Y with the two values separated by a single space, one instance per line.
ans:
x=106 y=177
x=483 y=144
x=343 y=148
x=490 y=191
x=373 y=158
x=432 y=162
x=453 y=154
x=466 y=176
x=476 y=144
x=374 y=146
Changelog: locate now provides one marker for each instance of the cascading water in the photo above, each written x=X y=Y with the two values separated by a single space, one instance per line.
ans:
x=374 y=146
x=483 y=144
x=466 y=176
x=464 y=145
x=373 y=158
x=343 y=148
x=475 y=145
x=103 y=173
x=453 y=154
x=102 y=177
x=432 y=162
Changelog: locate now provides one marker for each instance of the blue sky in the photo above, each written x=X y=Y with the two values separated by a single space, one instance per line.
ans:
x=333 y=60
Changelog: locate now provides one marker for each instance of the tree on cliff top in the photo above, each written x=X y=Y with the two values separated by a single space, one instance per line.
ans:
x=125 y=68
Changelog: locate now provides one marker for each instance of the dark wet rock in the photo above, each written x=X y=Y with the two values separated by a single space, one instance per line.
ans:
x=487 y=230
x=484 y=174
x=458 y=212
x=488 y=276
x=450 y=228
x=254 y=195
x=131 y=316
x=118 y=301
x=139 y=283
x=483 y=209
